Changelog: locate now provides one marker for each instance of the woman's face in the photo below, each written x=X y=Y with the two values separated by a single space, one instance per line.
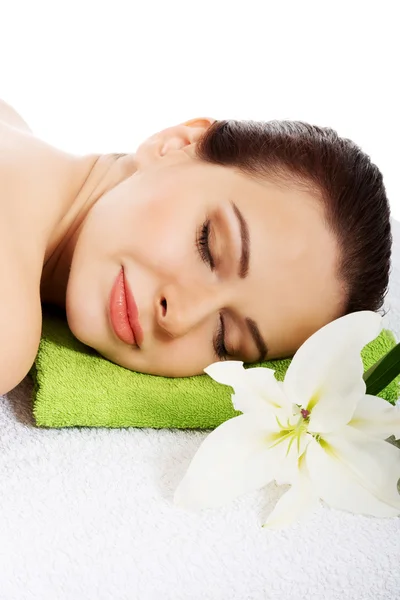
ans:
x=150 y=224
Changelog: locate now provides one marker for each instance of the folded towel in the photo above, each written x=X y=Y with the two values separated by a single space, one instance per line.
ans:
x=75 y=386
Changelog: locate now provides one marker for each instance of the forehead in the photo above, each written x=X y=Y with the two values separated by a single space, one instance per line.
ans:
x=292 y=287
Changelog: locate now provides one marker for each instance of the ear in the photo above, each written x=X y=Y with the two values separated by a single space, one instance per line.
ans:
x=186 y=134
x=172 y=139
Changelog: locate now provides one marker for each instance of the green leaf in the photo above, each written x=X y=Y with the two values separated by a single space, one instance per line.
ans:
x=392 y=440
x=383 y=372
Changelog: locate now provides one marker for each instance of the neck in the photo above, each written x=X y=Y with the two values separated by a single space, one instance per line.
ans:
x=95 y=176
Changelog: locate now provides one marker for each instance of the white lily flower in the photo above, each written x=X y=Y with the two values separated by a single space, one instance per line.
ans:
x=317 y=430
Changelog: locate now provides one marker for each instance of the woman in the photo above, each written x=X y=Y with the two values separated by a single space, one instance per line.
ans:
x=229 y=239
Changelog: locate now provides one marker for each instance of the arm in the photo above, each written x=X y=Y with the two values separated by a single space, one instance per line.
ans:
x=20 y=317
x=20 y=313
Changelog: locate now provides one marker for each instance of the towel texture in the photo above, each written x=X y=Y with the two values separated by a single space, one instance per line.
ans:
x=75 y=386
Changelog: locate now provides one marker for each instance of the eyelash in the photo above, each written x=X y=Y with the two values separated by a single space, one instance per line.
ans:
x=203 y=246
x=202 y=243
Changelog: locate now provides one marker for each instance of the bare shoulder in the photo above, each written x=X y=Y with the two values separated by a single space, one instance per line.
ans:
x=10 y=116
x=20 y=314
x=20 y=308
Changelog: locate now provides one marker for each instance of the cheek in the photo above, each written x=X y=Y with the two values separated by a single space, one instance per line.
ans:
x=163 y=232
x=165 y=242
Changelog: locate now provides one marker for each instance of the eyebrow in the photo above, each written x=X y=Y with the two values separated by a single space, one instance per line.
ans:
x=243 y=271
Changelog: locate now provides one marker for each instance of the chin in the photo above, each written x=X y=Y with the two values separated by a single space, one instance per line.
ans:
x=83 y=319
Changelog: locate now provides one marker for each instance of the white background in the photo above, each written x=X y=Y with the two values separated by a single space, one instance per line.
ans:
x=101 y=76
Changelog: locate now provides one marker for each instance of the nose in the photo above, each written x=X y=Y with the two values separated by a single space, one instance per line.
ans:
x=183 y=307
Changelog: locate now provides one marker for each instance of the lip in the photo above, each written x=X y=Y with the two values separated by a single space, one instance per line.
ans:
x=124 y=314
x=133 y=313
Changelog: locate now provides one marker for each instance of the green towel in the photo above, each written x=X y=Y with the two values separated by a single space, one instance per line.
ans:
x=75 y=386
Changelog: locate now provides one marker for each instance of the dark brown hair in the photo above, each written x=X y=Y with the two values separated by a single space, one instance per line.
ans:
x=350 y=186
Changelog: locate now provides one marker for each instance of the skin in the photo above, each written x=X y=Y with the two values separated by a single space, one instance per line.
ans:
x=89 y=215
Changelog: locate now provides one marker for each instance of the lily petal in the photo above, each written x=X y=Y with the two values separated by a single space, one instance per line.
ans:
x=236 y=458
x=255 y=388
x=297 y=503
x=325 y=375
x=263 y=381
x=228 y=372
x=288 y=470
x=356 y=472
x=377 y=417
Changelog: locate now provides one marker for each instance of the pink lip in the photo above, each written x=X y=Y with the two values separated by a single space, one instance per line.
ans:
x=124 y=313
x=133 y=313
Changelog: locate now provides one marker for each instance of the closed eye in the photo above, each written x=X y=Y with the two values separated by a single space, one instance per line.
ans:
x=219 y=342
x=203 y=245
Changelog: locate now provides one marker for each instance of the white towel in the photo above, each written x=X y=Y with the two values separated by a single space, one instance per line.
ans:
x=87 y=514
